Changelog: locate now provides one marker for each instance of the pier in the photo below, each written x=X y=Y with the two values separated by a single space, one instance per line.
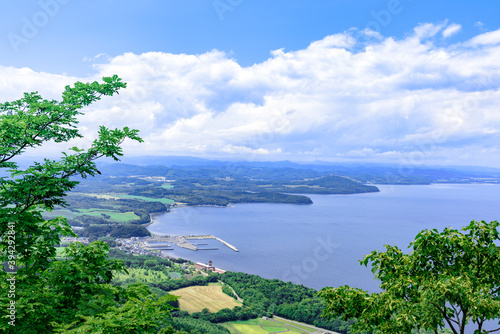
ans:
x=183 y=241
x=213 y=237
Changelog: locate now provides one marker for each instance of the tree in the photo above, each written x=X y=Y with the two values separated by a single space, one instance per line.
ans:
x=46 y=294
x=450 y=277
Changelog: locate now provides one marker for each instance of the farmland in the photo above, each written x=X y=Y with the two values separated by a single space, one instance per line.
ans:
x=274 y=325
x=196 y=298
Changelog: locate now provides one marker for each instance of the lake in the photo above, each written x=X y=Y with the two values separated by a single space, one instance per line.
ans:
x=319 y=245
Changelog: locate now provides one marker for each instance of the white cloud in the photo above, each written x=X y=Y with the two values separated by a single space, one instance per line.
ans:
x=488 y=38
x=427 y=30
x=451 y=30
x=393 y=100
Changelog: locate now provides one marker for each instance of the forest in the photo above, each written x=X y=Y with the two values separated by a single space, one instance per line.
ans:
x=261 y=297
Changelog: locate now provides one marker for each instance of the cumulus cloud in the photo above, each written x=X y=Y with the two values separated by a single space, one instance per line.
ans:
x=390 y=100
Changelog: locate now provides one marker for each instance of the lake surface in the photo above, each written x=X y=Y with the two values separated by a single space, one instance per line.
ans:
x=319 y=245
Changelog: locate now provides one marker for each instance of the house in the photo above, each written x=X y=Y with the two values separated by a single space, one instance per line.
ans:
x=205 y=267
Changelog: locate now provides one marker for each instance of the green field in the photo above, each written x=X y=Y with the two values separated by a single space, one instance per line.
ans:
x=196 y=298
x=147 y=199
x=261 y=326
x=125 y=196
x=120 y=217
x=140 y=275
x=303 y=327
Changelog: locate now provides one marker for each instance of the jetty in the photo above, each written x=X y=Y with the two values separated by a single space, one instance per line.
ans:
x=213 y=237
x=183 y=241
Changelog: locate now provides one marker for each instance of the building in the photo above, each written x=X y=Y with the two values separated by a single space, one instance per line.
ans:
x=208 y=267
x=205 y=267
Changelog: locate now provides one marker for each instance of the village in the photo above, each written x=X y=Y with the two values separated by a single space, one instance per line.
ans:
x=153 y=246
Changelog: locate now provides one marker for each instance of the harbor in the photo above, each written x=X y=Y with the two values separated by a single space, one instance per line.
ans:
x=163 y=242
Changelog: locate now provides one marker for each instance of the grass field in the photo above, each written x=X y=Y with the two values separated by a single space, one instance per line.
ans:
x=140 y=275
x=196 y=298
x=261 y=326
x=125 y=196
x=147 y=199
x=121 y=217
x=291 y=323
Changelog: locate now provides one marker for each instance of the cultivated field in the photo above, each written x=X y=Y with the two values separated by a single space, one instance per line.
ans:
x=275 y=325
x=196 y=298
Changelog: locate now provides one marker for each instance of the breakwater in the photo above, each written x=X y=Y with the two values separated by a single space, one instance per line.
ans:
x=182 y=241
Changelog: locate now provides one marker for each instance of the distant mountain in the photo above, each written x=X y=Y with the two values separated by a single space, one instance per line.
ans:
x=182 y=167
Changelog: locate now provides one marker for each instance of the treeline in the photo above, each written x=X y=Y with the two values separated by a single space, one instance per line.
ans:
x=291 y=301
x=140 y=261
x=224 y=315
x=192 y=325
x=180 y=283
x=214 y=196
x=115 y=231
x=325 y=185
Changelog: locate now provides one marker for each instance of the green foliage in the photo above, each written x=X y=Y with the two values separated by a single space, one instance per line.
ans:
x=109 y=240
x=449 y=278
x=114 y=231
x=73 y=294
x=128 y=231
x=137 y=261
x=325 y=185
x=139 y=312
x=296 y=302
x=192 y=325
x=228 y=291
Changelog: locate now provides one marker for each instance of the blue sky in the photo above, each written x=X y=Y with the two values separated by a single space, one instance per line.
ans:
x=353 y=80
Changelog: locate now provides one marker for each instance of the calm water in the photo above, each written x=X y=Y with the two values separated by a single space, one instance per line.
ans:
x=319 y=245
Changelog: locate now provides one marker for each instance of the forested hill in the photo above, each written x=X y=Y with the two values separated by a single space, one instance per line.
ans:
x=194 y=185
x=324 y=185
x=119 y=200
